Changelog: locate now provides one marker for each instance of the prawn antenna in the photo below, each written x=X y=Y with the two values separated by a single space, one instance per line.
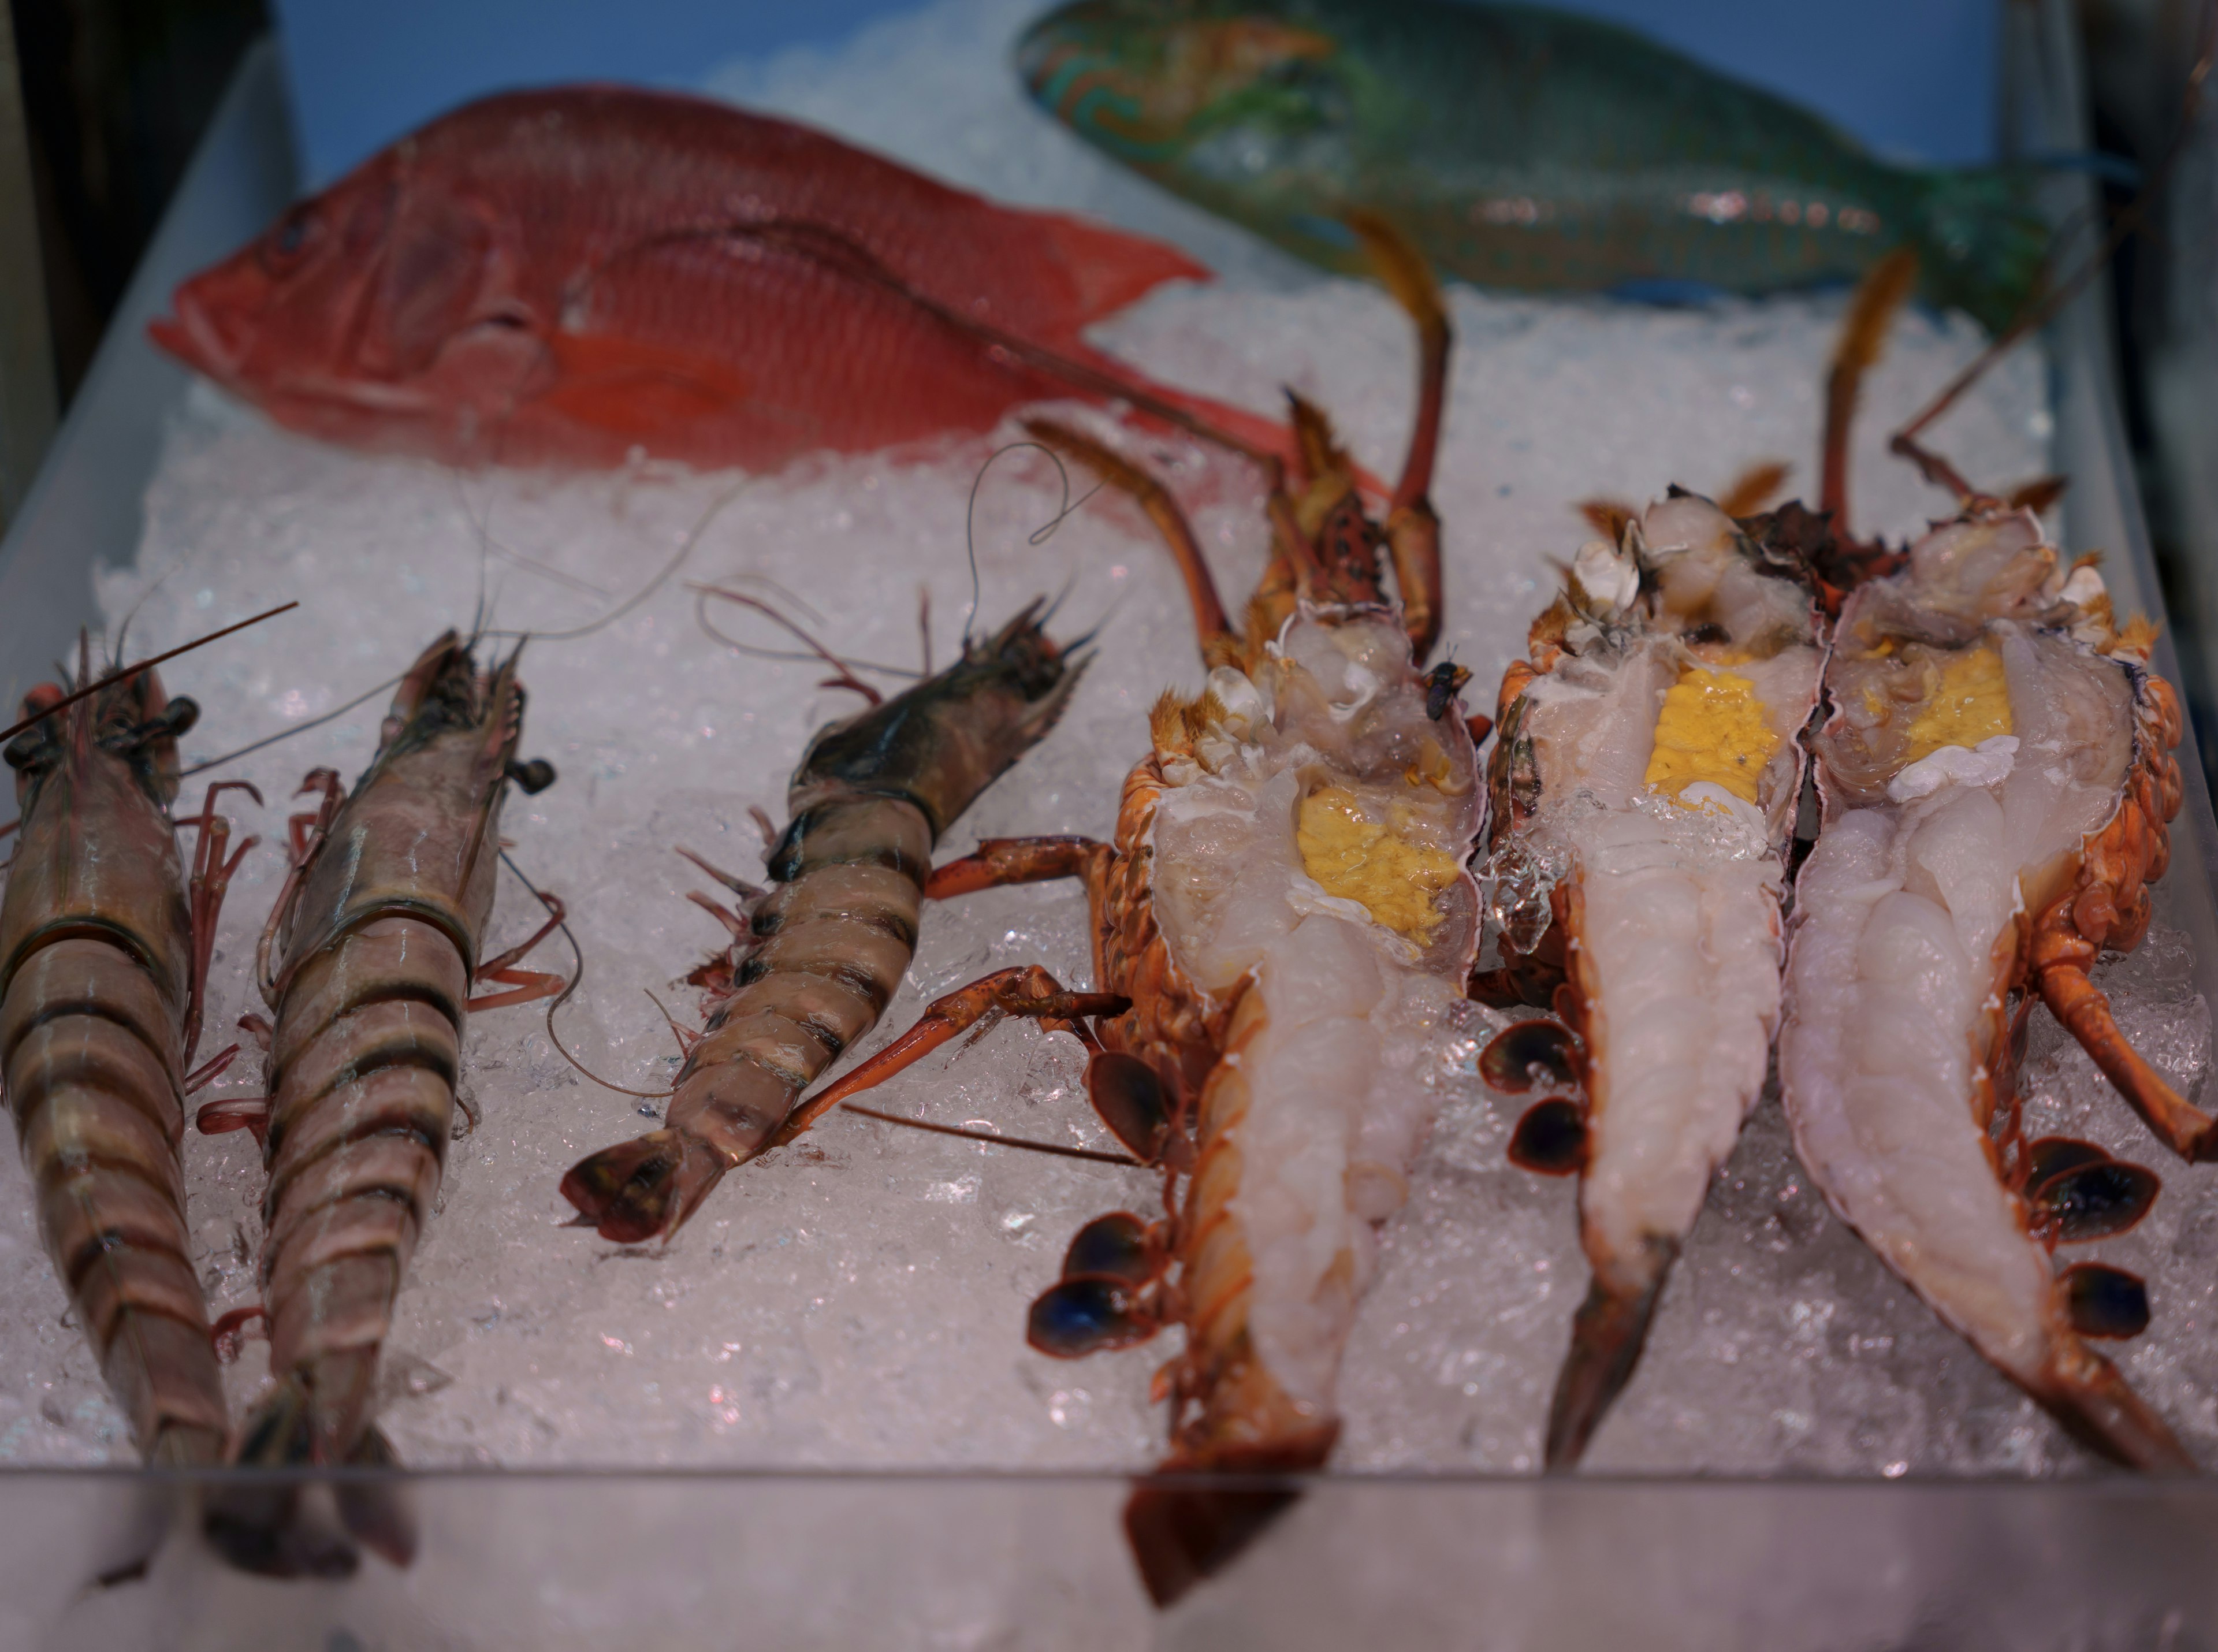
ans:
x=332 y=715
x=1038 y=536
x=576 y=979
x=123 y=672
x=845 y=668
x=677 y=558
x=1056 y=1148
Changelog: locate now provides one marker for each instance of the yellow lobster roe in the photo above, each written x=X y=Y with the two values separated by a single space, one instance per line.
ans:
x=1712 y=728
x=1970 y=704
x=1357 y=858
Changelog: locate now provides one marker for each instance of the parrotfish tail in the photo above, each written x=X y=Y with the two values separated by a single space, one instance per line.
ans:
x=1183 y=1532
x=275 y=1527
x=1608 y=1335
x=1983 y=246
x=2094 y=1406
x=644 y=1188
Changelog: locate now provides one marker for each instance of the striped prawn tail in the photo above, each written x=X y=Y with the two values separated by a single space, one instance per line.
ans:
x=829 y=944
x=91 y=1047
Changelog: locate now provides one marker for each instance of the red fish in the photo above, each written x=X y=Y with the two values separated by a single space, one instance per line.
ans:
x=563 y=277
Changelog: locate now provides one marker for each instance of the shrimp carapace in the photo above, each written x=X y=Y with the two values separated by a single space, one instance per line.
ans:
x=820 y=953
x=1646 y=781
x=368 y=963
x=105 y=935
x=1996 y=778
x=1281 y=925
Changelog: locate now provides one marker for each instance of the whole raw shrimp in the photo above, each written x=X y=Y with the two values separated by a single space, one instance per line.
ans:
x=816 y=958
x=105 y=938
x=367 y=964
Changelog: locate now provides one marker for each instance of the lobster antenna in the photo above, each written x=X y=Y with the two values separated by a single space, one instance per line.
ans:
x=576 y=981
x=1038 y=536
x=1055 y=1148
x=1930 y=464
x=123 y=672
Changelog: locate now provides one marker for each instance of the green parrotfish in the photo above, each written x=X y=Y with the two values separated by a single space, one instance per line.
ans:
x=1518 y=147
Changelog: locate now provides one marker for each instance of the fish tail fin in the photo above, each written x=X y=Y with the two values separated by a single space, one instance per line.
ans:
x=1983 y=243
x=1608 y=1335
x=647 y=1187
x=1111 y=268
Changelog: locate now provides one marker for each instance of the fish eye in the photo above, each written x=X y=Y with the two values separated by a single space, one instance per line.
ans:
x=290 y=237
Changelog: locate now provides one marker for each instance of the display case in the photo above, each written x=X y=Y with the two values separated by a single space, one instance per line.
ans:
x=549 y=1560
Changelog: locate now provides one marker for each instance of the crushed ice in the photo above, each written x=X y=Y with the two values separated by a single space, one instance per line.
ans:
x=858 y=1297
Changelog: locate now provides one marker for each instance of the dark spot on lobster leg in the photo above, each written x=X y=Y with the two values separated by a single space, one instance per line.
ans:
x=1551 y=1140
x=2052 y=1155
x=1116 y=1245
x=1085 y=1314
x=1132 y=1101
x=2104 y=1301
x=1530 y=1056
x=2095 y=1201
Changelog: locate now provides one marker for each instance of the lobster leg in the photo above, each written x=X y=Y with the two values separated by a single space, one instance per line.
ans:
x=1878 y=297
x=1208 y=619
x=1413 y=527
x=526 y=985
x=1000 y=862
x=1022 y=990
x=2085 y=1012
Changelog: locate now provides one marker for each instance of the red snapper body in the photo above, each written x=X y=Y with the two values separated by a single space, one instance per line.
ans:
x=563 y=277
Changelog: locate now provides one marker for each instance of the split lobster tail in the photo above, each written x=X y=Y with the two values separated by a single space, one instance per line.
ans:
x=1608 y=1335
x=1181 y=1535
x=1202 y=1509
x=268 y=1522
x=644 y=1188
x=2093 y=1403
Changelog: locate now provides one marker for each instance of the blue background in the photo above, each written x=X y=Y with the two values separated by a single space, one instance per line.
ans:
x=1914 y=78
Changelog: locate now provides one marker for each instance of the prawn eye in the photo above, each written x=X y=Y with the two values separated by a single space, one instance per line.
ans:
x=534 y=777
x=177 y=717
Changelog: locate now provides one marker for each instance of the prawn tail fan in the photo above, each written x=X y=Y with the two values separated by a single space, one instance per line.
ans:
x=266 y=1518
x=636 y=1190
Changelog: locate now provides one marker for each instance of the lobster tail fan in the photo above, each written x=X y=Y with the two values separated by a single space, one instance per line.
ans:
x=1608 y=1335
x=1183 y=1534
